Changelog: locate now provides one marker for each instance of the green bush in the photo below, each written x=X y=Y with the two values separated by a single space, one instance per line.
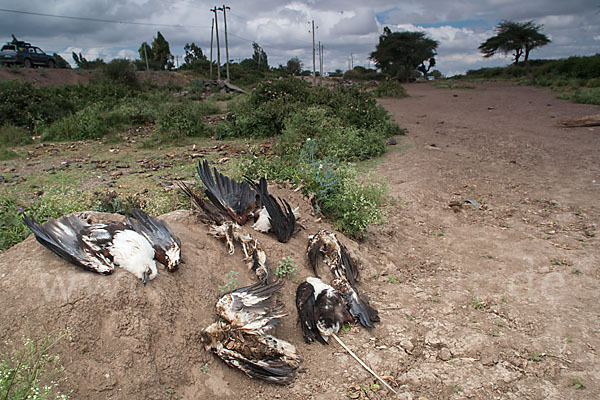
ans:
x=390 y=88
x=120 y=71
x=588 y=96
x=185 y=119
x=11 y=135
x=89 y=123
x=334 y=189
x=7 y=154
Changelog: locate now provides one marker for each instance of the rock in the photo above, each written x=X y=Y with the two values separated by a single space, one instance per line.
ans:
x=392 y=142
x=445 y=354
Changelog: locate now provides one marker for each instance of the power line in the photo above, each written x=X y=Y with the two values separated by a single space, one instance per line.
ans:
x=100 y=20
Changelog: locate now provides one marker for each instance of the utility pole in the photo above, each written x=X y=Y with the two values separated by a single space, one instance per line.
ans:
x=314 y=66
x=146 y=54
x=218 y=47
x=224 y=8
x=212 y=30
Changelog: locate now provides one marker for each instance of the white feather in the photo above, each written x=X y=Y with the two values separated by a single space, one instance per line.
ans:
x=262 y=224
x=133 y=252
x=320 y=286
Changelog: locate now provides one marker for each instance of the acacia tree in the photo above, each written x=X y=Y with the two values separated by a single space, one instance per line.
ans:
x=404 y=54
x=294 y=66
x=193 y=53
x=518 y=37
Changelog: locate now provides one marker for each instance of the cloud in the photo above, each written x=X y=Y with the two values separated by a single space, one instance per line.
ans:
x=282 y=28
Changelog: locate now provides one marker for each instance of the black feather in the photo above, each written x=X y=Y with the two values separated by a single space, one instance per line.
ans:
x=305 y=304
x=63 y=238
x=159 y=235
x=281 y=216
x=212 y=213
x=314 y=247
x=234 y=199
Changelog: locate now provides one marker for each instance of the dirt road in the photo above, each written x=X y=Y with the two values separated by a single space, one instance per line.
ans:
x=503 y=298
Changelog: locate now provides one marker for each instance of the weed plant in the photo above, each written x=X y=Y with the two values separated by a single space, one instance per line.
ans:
x=30 y=371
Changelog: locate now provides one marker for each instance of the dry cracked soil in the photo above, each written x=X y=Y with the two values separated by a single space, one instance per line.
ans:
x=485 y=273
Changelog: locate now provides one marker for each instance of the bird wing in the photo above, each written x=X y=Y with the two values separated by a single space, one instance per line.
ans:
x=252 y=307
x=212 y=213
x=305 y=304
x=281 y=216
x=166 y=245
x=312 y=251
x=231 y=197
x=275 y=371
x=358 y=308
x=64 y=238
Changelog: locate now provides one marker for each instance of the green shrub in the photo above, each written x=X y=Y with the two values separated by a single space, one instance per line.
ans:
x=89 y=123
x=390 y=88
x=185 y=119
x=7 y=154
x=588 y=96
x=11 y=135
x=120 y=71
x=54 y=203
x=355 y=206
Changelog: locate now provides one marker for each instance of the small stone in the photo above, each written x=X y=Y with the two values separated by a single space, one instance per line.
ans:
x=445 y=354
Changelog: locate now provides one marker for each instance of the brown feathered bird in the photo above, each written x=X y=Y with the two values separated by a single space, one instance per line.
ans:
x=242 y=337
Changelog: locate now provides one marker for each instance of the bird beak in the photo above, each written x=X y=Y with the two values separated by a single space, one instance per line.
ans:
x=145 y=277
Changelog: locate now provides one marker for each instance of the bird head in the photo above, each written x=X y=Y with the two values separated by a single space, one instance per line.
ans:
x=148 y=272
x=173 y=257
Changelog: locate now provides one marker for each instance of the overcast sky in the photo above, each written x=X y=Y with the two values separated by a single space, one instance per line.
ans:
x=346 y=28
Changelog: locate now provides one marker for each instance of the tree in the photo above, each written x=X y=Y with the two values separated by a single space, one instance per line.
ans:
x=193 y=53
x=294 y=66
x=260 y=57
x=158 y=54
x=61 y=62
x=83 y=63
x=404 y=54
x=518 y=37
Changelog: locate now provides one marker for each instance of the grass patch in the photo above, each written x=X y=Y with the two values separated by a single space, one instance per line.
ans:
x=30 y=371
x=7 y=154
x=450 y=84
x=391 y=88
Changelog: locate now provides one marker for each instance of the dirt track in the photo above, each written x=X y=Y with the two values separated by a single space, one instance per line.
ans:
x=500 y=301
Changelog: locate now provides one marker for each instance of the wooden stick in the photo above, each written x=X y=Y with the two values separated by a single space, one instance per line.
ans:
x=365 y=366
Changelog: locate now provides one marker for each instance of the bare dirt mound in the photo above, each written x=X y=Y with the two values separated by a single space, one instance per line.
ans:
x=497 y=298
x=134 y=341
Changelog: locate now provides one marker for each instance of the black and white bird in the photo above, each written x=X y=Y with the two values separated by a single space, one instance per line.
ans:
x=97 y=247
x=167 y=246
x=321 y=310
x=233 y=199
x=345 y=274
x=277 y=215
x=242 y=339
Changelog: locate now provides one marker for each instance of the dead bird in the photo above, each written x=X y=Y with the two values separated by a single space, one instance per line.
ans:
x=96 y=247
x=321 y=310
x=167 y=246
x=242 y=339
x=345 y=274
